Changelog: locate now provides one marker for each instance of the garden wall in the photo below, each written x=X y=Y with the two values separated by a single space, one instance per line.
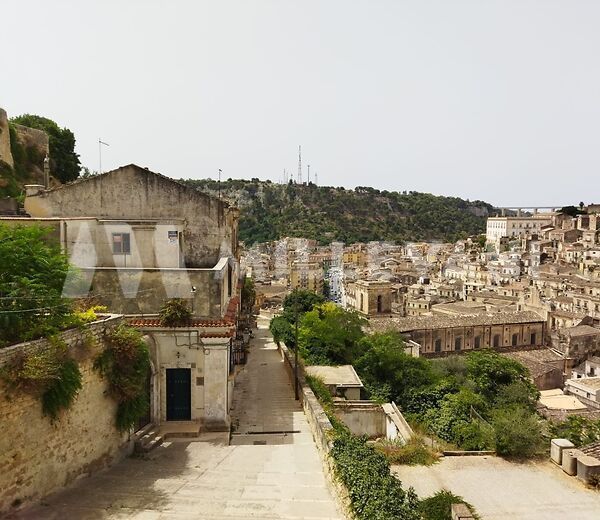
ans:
x=38 y=457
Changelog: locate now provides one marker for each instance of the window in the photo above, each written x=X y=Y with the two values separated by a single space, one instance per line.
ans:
x=515 y=340
x=362 y=302
x=438 y=345
x=477 y=341
x=121 y=244
x=379 y=303
x=457 y=343
x=496 y=340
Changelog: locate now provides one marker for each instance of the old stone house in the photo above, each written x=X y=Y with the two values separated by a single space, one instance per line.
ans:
x=139 y=238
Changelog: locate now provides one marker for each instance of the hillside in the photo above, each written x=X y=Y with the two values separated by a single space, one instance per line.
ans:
x=270 y=211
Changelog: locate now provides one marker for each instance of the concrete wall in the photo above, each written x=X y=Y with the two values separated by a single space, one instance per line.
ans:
x=38 y=457
x=144 y=291
x=131 y=193
x=362 y=417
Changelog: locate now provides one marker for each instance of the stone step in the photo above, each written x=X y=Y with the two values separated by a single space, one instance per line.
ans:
x=147 y=439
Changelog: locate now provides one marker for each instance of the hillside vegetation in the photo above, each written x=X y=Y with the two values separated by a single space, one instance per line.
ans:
x=270 y=211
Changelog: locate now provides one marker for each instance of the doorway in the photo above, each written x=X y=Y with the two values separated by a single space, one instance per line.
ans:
x=179 y=394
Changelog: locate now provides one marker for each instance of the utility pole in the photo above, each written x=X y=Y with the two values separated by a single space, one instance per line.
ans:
x=308 y=175
x=100 y=143
x=220 y=183
x=296 y=394
x=316 y=178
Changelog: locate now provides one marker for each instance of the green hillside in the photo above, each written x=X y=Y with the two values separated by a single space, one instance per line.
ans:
x=270 y=211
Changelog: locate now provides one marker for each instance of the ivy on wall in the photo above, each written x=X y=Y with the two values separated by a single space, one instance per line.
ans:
x=125 y=363
x=50 y=373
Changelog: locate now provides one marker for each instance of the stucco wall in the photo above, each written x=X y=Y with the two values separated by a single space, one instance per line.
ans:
x=144 y=291
x=132 y=193
x=38 y=457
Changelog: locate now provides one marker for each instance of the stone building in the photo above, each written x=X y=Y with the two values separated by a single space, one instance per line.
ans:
x=307 y=276
x=577 y=342
x=373 y=297
x=439 y=335
x=138 y=239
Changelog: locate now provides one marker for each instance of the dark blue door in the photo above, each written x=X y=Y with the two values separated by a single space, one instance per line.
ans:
x=179 y=402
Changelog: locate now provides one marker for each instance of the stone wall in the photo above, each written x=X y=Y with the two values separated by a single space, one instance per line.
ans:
x=321 y=428
x=37 y=456
x=132 y=193
x=5 y=153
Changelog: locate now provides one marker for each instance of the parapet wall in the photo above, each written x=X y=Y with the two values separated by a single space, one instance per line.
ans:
x=37 y=456
x=321 y=427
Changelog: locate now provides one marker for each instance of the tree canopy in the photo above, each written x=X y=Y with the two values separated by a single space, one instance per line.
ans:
x=64 y=162
x=32 y=274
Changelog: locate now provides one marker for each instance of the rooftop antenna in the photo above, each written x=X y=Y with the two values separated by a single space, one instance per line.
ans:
x=308 y=175
x=299 y=164
x=220 y=183
x=316 y=178
x=100 y=143
x=285 y=180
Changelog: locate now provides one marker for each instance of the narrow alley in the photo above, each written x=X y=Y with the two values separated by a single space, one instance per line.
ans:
x=271 y=469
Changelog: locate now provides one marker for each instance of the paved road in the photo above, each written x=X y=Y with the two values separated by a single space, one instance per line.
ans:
x=504 y=490
x=266 y=475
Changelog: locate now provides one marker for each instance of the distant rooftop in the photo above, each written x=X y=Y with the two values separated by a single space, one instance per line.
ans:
x=411 y=323
x=343 y=375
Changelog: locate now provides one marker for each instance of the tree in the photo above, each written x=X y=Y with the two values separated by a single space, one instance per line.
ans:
x=330 y=335
x=384 y=362
x=64 y=162
x=489 y=371
x=248 y=294
x=32 y=274
x=517 y=432
x=282 y=332
x=300 y=301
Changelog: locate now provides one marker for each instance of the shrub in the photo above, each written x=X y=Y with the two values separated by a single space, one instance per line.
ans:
x=49 y=373
x=517 y=432
x=438 y=506
x=33 y=273
x=375 y=494
x=175 y=313
x=412 y=453
x=125 y=363
x=579 y=430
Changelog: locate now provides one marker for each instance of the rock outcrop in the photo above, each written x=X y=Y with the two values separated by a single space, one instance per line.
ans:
x=5 y=154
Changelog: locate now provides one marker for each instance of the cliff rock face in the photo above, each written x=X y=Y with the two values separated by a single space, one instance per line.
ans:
x=5 y=154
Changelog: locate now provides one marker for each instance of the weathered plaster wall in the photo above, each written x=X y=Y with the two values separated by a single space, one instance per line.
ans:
x=144 y=291
x=132 y=193
x=38 y=457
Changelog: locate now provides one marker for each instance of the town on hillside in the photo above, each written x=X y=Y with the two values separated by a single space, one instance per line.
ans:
x=300 y=260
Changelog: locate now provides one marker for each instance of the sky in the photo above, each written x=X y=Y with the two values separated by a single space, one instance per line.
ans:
x=482 y=99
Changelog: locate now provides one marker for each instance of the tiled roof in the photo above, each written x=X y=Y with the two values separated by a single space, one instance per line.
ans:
x=196 y=323
x=437 y=322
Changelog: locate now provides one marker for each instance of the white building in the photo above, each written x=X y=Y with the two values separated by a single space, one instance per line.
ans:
x=515 y=227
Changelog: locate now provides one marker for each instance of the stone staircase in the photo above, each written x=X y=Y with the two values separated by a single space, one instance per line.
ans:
x=148 y=438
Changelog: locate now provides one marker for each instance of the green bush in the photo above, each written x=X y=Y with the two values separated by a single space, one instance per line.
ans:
x=33 y=274
x=517 y=432
x=175 y=313
x=375 y=494
x=579 y=430
x=412 y=453
x=438 y=506
x=50 y=373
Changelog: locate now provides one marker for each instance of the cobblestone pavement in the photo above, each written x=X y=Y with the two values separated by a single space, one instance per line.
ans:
x=262 y=474
x=502 y=490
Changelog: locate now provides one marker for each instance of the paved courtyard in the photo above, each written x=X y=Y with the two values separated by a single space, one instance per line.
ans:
x=266 y=472
x=504 y=490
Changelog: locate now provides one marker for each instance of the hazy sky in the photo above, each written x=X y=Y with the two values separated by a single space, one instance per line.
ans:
x=496 y=100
